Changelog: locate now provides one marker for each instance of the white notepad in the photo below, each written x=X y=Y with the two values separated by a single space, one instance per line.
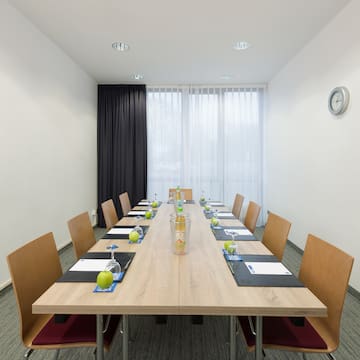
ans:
x=143 y=203
x=90 y=265
x=225 y=214
x=120 y=231
x=267 y=268
x=216 y=203
x=142 y=212
x=237 y=231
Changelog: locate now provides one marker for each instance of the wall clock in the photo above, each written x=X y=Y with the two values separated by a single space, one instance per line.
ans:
x=338 y=100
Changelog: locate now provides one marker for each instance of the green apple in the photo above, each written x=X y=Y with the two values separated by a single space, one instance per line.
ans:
x=154 y=204
x=148 y=214
x=214 y=221
x=134 y=236
x=202 y=198
x=227 y=244
x=104 y=279
x=207 y=207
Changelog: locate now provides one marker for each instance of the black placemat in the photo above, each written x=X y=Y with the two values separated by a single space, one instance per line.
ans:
x=123 y=236
x=243 y=276
x=159 y=203
x=221 y=235
x=210 y=214
x=187 y=202
x=142 y=216
x=90 y=276
x=209 y=203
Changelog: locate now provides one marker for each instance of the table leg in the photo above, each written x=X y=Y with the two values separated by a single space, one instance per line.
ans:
x=125 y=322
x=99 y=338
x=232 y=337
x=259 y=334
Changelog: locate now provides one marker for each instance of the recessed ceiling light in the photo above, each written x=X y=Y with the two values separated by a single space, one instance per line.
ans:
x=138 y=76
x=120 y=46
x=241 y=45
x=225 y=77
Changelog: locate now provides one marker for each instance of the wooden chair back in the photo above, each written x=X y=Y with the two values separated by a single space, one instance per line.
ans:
x=275 y=234
x=238 y=203
x=110 y=215
x=33 y=267
x=252 y=215
x=326 y=270
x=187 y=193
x=125 y=203
x=82 y=234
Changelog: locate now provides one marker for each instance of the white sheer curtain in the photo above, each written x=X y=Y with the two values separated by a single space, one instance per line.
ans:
x=206 y=138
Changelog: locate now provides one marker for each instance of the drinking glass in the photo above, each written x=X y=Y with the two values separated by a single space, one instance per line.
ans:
x=138 y=228
x=233 y=246
x=113 y=264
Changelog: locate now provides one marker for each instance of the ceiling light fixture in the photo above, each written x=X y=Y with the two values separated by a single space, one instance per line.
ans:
x=225 y=77
x=241 y=45
x=120 y=46
x=138 y=76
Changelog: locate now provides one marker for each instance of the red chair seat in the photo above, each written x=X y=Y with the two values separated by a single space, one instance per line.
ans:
x=77 y=328
x=281 y=331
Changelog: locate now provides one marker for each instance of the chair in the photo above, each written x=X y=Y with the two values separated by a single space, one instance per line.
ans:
x=251 y=216
x=238 y=202
x=82 y=234
x=325 y=270
x=275 y=234
x=125 y=203
x=187 y=193
x=110 y=215
x=34 y=267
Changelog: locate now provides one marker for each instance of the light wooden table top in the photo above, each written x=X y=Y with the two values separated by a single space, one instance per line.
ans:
x=160 y=282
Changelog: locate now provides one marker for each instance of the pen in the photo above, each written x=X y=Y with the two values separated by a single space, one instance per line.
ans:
x=230 y=267
x=127 y=264
x=251 y=269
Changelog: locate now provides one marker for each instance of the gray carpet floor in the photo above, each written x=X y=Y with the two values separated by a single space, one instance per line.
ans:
x=178 y=339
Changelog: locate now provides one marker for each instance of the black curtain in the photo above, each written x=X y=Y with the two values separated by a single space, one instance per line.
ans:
x=122 y=144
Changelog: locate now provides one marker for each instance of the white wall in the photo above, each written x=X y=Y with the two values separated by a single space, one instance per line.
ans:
x=313 y=158
x=47 y=137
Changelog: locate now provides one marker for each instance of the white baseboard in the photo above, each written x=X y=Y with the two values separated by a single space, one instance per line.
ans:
x=5 y=284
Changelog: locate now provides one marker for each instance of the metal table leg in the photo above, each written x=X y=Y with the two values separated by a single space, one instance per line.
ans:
x=99 y=338
x=125 y=322
x=232 y=337
x=259 y=334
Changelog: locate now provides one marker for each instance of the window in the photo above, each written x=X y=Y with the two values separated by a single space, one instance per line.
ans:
x=206 y=138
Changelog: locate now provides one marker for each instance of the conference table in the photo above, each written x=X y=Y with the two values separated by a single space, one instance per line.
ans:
x=159 y=282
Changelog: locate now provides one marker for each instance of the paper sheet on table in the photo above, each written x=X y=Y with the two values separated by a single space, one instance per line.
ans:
x=120 y=231
x=144 y=203
x=237 y=231
x=136 y=212
x=214 y=203
x=90 y=265
x=267 y=268
x=224 y=214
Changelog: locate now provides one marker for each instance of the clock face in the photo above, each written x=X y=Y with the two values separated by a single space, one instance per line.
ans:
x=338 y=100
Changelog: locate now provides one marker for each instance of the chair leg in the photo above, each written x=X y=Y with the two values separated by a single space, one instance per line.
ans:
x=303 y=356
x=331 y=356
x=28 y=352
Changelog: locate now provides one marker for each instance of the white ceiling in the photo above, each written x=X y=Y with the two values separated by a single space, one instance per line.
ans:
x=183 y=41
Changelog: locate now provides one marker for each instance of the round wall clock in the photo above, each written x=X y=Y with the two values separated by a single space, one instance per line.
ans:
x=338 y=100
